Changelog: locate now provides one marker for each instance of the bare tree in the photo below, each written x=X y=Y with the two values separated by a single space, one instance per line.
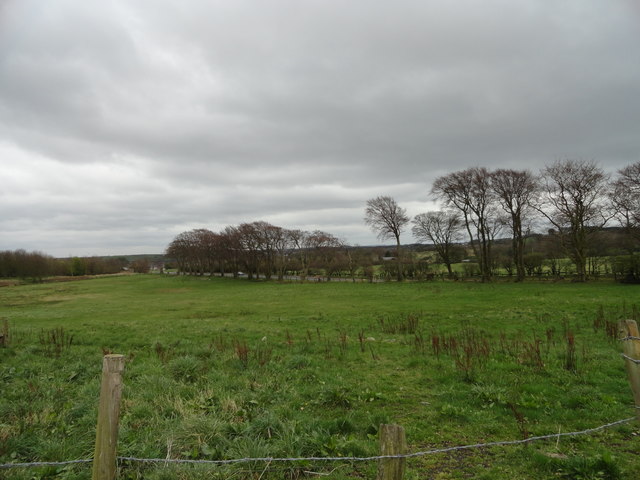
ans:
x=299 y=241
x=625 y=197
x=573 y=199
x=231 y=249
x=470 y=192
x=254 y=249
x=281 y=241
x=266 y=238
x=208 y=249
x=322 y=249
x=515 y=192
x=195 y=251
x=184 y=249
x=388 y=220
x=26 y=265
x=313 y=248
x=442 y=228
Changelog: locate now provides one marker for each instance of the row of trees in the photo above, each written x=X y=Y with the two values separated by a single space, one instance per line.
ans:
x=574 y=199
x=36 y=265
x=261 y=249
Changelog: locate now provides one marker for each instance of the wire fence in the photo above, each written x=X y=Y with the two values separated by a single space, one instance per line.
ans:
x=270 y=460
x=331 y=459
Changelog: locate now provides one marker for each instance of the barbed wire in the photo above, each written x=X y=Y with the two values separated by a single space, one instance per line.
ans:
x=631 y=359
x=328 y=459
x=343 y=459
x=384 y=457
x=43 y=464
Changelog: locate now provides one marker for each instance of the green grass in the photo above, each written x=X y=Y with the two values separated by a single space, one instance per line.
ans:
x=221 y=368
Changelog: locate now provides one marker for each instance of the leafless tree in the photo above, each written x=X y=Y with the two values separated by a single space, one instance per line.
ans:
x=573 y=200
x=266 y=239
x=470 y=192
x=208 y=249
x=282 y=244
x=195 y=251
x=388 y=220
x=231 y=249
x=313 y=248
x=515 y=192
x=442 y=228
x=625 y=197
x=254 y=248
x=183 y=250
x=299 y=240
x=322 y=251
x=26 y=265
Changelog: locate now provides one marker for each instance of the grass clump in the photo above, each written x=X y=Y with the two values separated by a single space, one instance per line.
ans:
x=55 y=341
x=575 y=467
x=185 y=369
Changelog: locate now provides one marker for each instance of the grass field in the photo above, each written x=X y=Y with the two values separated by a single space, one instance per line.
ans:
x=221 y=368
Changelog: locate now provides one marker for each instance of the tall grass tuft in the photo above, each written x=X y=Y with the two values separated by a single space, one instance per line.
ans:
x=343 y=341
x=262 y=354
x=242 y=352
x=403 y=324
x=532 y=355
x=571 y=361
x=361 y=340
x=163 y=353
x=55 y=341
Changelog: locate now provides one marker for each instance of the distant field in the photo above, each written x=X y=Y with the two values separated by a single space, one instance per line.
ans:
x=222 y=368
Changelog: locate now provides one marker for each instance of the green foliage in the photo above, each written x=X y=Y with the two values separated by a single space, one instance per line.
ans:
x=78 y=266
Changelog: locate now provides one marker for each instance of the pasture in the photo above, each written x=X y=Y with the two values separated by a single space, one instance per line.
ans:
x=224 y=369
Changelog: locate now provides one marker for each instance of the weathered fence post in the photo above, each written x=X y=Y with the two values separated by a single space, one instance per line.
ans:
x=104 y=458
x=631 y=348
x=4 y=334
x=392 y=442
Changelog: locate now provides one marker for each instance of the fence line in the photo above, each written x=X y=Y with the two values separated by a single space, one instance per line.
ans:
x=383 y=457
x=43 y=464
x=331 y=459
x=111 y=439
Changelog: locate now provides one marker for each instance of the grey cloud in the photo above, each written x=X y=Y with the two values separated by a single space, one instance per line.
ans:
x=147 y=117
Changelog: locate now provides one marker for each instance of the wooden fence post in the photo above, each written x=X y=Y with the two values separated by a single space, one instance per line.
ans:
x=392 y=442
x=631 y=348
x=104 y=458
x=4 y=334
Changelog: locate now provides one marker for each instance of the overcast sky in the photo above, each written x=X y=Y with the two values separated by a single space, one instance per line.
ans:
x=124 y=123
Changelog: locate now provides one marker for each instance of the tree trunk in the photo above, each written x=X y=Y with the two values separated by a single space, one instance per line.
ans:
x=398 y=259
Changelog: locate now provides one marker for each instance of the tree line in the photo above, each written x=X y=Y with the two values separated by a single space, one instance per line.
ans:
x=262 y=250
x=504 y=220
x=35 y=266
x=571 y=200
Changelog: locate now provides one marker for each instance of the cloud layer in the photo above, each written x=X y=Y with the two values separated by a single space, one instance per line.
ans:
x=124 y=123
